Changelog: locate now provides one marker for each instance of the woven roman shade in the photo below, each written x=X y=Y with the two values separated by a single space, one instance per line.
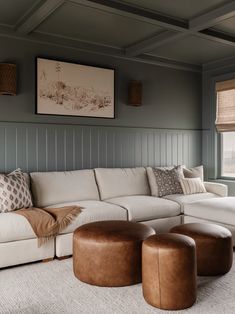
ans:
x=225 y=113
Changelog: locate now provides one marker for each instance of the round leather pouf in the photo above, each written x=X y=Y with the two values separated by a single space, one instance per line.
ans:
x=108 y=253
x=169 y=271
x=214 y=247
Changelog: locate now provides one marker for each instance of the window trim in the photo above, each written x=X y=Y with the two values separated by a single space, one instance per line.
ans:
x=220 y=159
x=217 y=137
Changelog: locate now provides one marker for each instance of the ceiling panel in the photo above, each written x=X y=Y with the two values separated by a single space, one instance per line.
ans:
x=227 y=26
x=81 y=22
x=194 y=50
x=184 y=9
x=11 y=10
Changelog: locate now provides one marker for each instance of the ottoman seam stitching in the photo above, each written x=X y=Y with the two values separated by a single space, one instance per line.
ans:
x=159 y=282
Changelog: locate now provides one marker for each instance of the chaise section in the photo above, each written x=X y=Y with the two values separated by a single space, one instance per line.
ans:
x=141 y=207
x=218 y=210
x=182 y=199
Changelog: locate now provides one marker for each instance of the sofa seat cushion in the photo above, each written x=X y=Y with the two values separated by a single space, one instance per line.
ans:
x=51 y=188
x=221 y=209
x=141 y=207
x=182 y=199
x=117 y=182
x=14 y=227
x=93 y=211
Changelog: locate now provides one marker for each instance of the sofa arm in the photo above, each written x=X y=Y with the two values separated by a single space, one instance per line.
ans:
x=216 y=188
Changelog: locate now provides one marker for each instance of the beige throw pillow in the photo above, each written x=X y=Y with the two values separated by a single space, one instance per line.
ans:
x=196 y=172
x=192 y=186
x=14 y=192
x=152 y=181
x=168 y=180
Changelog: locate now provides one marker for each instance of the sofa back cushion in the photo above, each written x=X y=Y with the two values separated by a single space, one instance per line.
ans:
x=118 y=182
x=51 y=188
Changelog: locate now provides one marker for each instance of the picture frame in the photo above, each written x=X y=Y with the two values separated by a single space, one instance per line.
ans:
x=73 y=89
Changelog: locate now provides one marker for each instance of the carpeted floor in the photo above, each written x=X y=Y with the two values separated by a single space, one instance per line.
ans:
x=52 y=288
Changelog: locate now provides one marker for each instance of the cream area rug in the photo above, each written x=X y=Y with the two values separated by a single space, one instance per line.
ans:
x=48 y=288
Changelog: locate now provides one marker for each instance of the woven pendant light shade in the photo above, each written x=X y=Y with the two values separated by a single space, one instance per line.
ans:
x=8 y=80
x=135 y=93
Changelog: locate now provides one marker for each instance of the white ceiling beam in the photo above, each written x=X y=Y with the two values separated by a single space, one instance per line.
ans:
x=213 y=17
x=36 y=17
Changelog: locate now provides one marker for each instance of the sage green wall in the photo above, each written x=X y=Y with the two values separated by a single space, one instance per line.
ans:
x=164 y=131
x=171 y=98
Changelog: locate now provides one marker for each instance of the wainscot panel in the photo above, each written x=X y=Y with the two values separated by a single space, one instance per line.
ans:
x=48 y=147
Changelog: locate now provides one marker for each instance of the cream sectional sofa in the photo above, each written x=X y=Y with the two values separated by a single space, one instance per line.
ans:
x=103 y=194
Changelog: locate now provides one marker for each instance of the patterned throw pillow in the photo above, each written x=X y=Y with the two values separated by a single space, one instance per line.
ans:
x=14 y=192
x=168 y=180
x=192 y=186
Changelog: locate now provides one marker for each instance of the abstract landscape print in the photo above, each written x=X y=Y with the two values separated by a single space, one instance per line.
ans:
x=65 y=88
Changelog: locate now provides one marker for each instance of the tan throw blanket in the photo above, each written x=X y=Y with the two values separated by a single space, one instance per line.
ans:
x=47 y=223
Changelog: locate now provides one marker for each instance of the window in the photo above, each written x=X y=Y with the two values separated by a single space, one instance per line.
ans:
x=225 y=124
x=228 y=154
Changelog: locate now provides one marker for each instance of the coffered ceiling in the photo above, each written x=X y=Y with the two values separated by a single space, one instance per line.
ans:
x=182 y=9
x=227 y=26
x=86 y=23
x=11 y=11
x=182 y=33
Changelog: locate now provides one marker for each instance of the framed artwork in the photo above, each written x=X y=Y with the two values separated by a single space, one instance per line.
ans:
x=70 y=89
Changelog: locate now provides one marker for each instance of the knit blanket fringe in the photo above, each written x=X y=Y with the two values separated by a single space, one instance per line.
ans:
x=47 y=223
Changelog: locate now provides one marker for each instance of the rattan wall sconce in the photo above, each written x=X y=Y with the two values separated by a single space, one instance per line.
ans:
x=8 y=79
x=135 y=93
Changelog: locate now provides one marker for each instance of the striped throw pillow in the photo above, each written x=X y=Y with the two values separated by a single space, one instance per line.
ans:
x=192 y=186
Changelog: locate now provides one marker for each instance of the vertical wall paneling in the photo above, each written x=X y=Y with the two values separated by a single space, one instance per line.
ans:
x=21 y=147
x=3 y=149
x=10 y=147
x=46 y=147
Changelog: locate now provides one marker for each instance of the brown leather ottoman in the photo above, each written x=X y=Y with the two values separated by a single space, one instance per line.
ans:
x=108 y=253
x=169 y=271
x=213 y=247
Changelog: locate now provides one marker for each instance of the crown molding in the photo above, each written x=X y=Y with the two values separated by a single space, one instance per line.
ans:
x=218 y=64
